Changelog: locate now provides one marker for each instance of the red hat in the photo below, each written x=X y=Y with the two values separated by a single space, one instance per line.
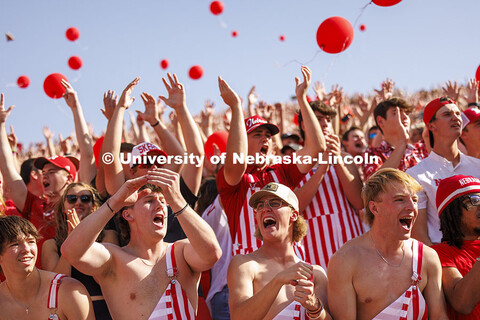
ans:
x=472 y=114
x=432 y=107
x=256 y=121
x=453 y=187
x=145 y=148
x=58 y=161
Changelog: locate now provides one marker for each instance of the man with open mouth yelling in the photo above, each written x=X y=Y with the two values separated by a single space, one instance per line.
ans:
x=384 y=273
x=272 y=282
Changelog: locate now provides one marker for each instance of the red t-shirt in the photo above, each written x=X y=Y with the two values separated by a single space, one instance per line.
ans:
x=463 y=260
x=234 y=197
x=41 y=215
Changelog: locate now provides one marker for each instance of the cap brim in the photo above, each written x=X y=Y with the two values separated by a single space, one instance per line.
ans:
x=39 y=163
x=260 y=194
x=270 y=126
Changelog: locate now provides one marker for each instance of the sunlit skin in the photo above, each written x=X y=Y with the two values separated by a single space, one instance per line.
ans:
x=82 y=209
x=54 y=180
x=281 y=229
x=447 y=123
x=260 y=141
x=19 y=255
x=355 y=144
x=470 y=137
x=389 y=125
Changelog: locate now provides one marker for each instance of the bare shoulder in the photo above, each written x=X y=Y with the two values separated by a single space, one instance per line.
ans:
x=243 y=262
x=430 y=256
x=70 y=287
x=348 y=256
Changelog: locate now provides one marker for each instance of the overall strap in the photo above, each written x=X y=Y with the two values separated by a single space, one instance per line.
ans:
x=53 y=292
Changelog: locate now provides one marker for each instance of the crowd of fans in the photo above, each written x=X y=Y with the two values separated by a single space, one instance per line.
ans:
x=203 y=240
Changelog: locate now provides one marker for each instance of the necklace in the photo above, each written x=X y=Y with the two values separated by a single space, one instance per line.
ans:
x=383 y=258
x=36 y=294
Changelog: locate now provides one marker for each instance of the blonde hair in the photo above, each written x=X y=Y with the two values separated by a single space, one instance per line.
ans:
x=380 y=181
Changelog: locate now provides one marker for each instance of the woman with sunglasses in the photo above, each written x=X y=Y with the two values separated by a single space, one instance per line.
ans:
x=77 y=202
x=458 y=205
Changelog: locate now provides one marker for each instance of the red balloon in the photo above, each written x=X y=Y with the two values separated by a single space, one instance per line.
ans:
x=164 y=64
x=216 y=7
x=75 y=62
x=23 y=82
x=72 y=34
x=282 y=38
x=234 y=34
x=363 y=27
x=386 y=3
x=53 y=87
x=195 y=72
x=219 y=139
x=335 y=34
x=477 y=75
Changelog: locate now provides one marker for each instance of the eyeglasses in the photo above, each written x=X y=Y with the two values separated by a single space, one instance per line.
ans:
x=84 y=198
x=272 y=203
x=474 y=201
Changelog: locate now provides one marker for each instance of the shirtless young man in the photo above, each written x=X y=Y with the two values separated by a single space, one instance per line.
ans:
x=148 y=278
x=31 y=293
x=272 y=282
x=385 y=274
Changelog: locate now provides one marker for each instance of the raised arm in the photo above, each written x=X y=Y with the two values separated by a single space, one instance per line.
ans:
x=202 y=250
x=81 y=250
x=237 y=142
x=87 y=170
x=192 y=171
x=314 y=139
x=13 y=180
x=114 y=175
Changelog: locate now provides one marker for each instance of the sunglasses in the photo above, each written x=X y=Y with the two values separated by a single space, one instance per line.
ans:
x=474 y=201
x=272 y=203
x=84 y=198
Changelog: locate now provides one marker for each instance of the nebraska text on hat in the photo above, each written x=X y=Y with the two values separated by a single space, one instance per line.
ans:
x=464 y=181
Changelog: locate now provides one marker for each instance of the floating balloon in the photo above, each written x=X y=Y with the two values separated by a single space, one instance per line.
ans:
x=216 y=7
x=219 y=139
x=477 y=75
x=386 y=3
x=75 y=62
x=53 y=86
x=363 y=27
x=72 y=34
x=335 y=34
x=195 y=72
x=234 y=33
x=23 y=82
x=164 y=63
x=282 y=38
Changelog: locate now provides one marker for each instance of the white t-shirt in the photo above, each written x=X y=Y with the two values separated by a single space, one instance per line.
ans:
x=217 y=219
x=428 y=173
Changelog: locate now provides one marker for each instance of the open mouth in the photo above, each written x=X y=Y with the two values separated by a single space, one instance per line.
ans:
x=264 y=150
x=269 y=222
x=406 y=223
x=26 y=260
x=46 y=184
x=159 y=220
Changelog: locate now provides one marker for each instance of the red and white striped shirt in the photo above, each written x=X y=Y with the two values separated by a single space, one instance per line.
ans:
x=331 y=219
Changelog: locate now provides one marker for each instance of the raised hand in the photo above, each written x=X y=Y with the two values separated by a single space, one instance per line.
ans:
x=176 y=92
x=319 y=88
x=150 y=115
x=126 y=99
x=64 y=144
x=452 y=90
x=47 y=133
x=472 y=91
x=386 y=92
x=302 y=87
x=110 y=101
x=12 y=139
x=72 y=220
x=4 y=113
x=229 y=96
x=128 y=193
x=169 y=181
x=252 y=96
x=70 y=95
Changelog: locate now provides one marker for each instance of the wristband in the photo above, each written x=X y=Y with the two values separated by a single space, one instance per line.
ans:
x=108 y=205
x=474 y=104
x=156 y=123
x=179 y=212
x=317 y=312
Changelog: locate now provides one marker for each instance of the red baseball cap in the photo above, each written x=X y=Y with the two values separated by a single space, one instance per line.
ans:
x=58 y=161
x=453 y=187
x=432 y=107
x=472 y=114
x=256 y=121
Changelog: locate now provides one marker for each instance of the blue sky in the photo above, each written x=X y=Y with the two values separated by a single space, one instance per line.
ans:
x=417 y=43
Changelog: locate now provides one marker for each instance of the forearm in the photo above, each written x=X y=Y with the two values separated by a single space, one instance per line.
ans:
x=170 y=144
x=142 y=134
x=465 y=294
x=351 y=184
x=62 y=266
x=236 y=144
x=114 y=176
x=395 y=157
x=314 y=139
x=50 y=148
x=258 y=305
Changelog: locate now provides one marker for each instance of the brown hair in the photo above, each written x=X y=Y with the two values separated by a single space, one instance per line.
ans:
x=382 y=108
x=61 y=214
x=12 y=227
x=380 y=181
